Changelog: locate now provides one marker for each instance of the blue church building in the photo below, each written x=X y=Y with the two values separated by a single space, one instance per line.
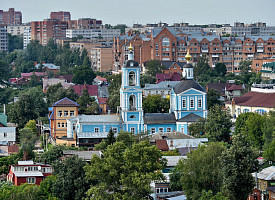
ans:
x=187 y=105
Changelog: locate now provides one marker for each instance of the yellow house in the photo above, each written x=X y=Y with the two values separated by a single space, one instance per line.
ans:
x=58 y=115
x=265 y=178
x=257 y=100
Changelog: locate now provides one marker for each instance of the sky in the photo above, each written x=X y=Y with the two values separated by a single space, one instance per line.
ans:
x=150 y=11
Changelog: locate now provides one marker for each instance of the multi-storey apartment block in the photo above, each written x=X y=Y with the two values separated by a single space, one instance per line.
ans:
x=3 y=37
x=10 y=17
x=171 y=44
x=27 y=37
x=61 y=15
x=107 y=34
x=101 y=59
x=44 y=30
x=17 y=29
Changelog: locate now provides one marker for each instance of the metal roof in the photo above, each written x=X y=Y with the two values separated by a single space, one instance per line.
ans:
x=172 y=161
x=96 y=118
x=166 y=85
x=190 y=118
x=28 y=174
x=159 y=118
x=187 y=84
x=267 y=174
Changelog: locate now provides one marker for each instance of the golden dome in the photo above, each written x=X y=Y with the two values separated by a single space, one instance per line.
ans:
x=188 y=56
x=130 y=47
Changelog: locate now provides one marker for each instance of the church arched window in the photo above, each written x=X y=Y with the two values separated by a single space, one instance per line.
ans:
x=132 y=79
x=132 y=102
x=165 y=41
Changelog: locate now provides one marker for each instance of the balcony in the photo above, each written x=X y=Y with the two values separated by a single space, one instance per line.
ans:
x=215 y=56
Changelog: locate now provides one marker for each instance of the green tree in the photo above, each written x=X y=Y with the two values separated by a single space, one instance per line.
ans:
x=83 y=75
x=22 y=192
x=209 y=196
x=70 y=182
x=27 y=142
x=220 y=69
x=31 y=124
x=54 y=153
x=156 y=104
x=154 y=67
x=147 y=79
x=201 y=170
x=4 y=68
x=110 y=137
x=202 y=69
x=84 y=101
x=114 y=94
x=238 y=163
x=213 y=97
x=57 y=92
x=15 y=42
x=124 y=172
x=218 y=124
x=46 y=188
x=269 y=152
x=197 y=129
x=122 y=27
x=29 y=106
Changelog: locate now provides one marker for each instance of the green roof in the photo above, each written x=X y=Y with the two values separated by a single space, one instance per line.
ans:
x=271 y=65
x=3 y=119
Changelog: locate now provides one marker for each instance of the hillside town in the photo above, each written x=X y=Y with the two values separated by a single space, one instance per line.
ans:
x=90 y=110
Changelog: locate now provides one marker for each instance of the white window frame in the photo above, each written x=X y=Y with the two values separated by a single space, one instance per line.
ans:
x=66 y=113
x=192 y=100
x=169 y=129
x=200 y=102
x=153 y=130
x=182 y=104
x=5 y=134
x=62 y=124
x=114 y=129
x=59 y=113
x=72 y=113
x=96 y=129
x=58 y=124
x=132 y=129
x=31 y=180
x=160 y=129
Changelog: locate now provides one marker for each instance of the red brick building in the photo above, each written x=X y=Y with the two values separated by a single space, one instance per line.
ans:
x=61 y=15
x=28 y=172
x=10 y=17
x=49 y=28
x=171 y=44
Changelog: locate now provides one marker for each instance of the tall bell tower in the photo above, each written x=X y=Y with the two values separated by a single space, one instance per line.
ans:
x=131 y=95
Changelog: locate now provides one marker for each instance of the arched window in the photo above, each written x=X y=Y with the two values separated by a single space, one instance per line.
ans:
x=132 y=79
x=132 y=102
x=132 y=117
x=165 y=41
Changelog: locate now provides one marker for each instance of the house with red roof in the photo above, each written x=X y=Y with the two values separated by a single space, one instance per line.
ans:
x=233 y=90
x=92 y=89
x=28 y=172
x=168 y=77
x=257 y=100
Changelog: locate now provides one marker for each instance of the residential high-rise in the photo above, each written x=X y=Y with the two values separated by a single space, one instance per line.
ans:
x=3 y=38
x=10 y=17
x=61 y=15
x=26 y=37
x=49 y=28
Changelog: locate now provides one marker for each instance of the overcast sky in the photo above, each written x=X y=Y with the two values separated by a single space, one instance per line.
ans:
x=150 y=11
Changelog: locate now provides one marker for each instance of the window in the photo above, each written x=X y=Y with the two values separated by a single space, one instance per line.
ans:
x=5 y=134
x=31 y=180
x=153 y=130
x=58 y=125
x=157 y=47
x=96 y=130
x=184 y=103
x=66 y=113
x=200 y=103
x=114 y=130
x=191 y=103
x=169 y=130
x=63 y=125
x=182 y=129
x=132 y=117
x=132 y=130
x=59 y=113
x=71 y=113
x=160 y=130
x=165 y=41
